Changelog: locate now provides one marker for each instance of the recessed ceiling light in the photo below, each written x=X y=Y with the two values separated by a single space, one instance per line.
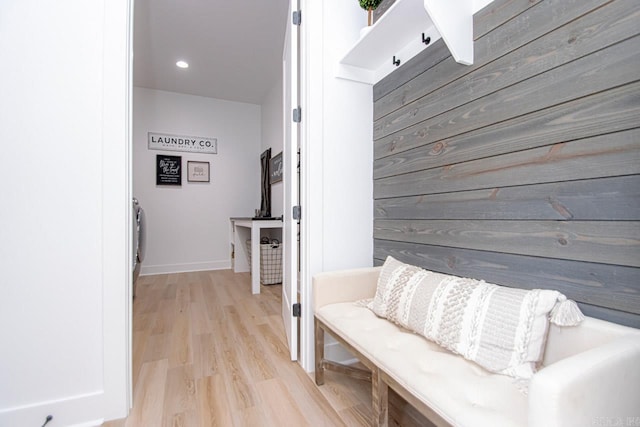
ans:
x=182 y=64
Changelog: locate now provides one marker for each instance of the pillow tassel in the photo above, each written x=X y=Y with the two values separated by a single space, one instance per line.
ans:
x=566 y=312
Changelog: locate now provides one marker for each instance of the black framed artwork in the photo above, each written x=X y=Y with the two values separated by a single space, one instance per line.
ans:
x=276 y=168
x=168 y=170
x=265 y=186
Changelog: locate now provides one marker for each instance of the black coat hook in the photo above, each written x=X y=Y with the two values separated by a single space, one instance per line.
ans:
x=426 y=40
x=396 y=62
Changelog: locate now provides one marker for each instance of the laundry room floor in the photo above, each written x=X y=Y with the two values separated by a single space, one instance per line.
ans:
x=207 y=352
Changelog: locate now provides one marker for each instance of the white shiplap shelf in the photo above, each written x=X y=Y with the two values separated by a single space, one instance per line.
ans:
x=399 y=33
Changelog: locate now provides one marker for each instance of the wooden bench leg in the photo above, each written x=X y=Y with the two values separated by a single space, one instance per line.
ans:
x=380 y=402
x=319 y=352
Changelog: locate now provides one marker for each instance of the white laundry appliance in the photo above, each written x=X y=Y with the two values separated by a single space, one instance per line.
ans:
x=139 y=239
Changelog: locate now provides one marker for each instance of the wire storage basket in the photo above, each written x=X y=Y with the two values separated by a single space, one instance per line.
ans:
x=270 y=262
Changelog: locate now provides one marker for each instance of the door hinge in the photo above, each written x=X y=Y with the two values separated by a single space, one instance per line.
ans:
x=297 y=17
x=297 y=115
x=297 y=212
x=297 y=310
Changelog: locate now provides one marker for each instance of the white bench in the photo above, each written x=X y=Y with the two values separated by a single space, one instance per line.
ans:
x=590 y=374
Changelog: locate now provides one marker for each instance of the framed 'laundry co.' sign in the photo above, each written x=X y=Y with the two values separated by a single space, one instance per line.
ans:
x=193 y=144
x=168 y=170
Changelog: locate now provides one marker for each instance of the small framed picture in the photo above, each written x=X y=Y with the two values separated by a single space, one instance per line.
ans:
x=198 y=171
x=168 y=170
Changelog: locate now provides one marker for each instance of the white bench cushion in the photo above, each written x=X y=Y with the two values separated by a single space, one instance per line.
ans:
x=460 y=391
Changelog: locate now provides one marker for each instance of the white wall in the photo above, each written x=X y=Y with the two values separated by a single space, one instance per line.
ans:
x=347 y=148
x=272 y=137
x=339 y=142
x=188 y=226
x=63 y=95
x=337 y=131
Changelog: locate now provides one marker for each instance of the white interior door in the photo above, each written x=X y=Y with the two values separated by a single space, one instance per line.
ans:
x=291 y=182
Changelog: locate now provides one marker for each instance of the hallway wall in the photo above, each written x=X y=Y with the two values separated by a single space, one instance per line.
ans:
x=63 y=241
x=188 y=225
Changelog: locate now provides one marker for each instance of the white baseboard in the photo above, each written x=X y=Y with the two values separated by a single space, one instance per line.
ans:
x=148 y=270
x=74 y=411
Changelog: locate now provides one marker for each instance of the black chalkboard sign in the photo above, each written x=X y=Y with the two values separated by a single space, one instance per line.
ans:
x=168 y=170
x=276 y=168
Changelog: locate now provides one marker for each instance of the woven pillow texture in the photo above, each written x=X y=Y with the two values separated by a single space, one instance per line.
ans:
x=502 y=329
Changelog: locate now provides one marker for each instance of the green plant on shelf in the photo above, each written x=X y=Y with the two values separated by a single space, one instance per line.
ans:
x=369 y=6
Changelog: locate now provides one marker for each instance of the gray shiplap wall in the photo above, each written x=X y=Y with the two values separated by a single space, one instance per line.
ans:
x=524 y=168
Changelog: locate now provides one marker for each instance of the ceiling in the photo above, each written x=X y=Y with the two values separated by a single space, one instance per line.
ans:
x=233 y=47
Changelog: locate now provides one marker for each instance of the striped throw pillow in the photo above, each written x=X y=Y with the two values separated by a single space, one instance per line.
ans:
x=502 y=329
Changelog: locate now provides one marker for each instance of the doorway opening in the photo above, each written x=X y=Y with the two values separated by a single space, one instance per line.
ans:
x=227 y=92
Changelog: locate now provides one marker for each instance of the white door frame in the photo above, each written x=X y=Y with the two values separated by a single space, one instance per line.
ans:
x=116 y=207
x=290 y=78
x=311 y=160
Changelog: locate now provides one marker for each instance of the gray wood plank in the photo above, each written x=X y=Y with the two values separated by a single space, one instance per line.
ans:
x=498 y=12
x=610 y=315
x=496 y=107
x=604 y=112
x=575 y=40
x=608 y=242
x=615 y=154
x=617 y=65
x=604 y=285
x=430 y=57
x=611 y=199
x=544 y=18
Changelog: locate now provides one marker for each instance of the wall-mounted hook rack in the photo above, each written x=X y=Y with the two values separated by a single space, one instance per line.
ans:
x=399 y=32
x=395 y=61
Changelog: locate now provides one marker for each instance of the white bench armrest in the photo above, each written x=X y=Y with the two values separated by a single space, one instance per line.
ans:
x=344 y=286
x=600 y=386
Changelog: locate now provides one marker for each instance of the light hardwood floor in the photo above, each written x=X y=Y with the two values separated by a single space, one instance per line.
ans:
x=206 y=352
